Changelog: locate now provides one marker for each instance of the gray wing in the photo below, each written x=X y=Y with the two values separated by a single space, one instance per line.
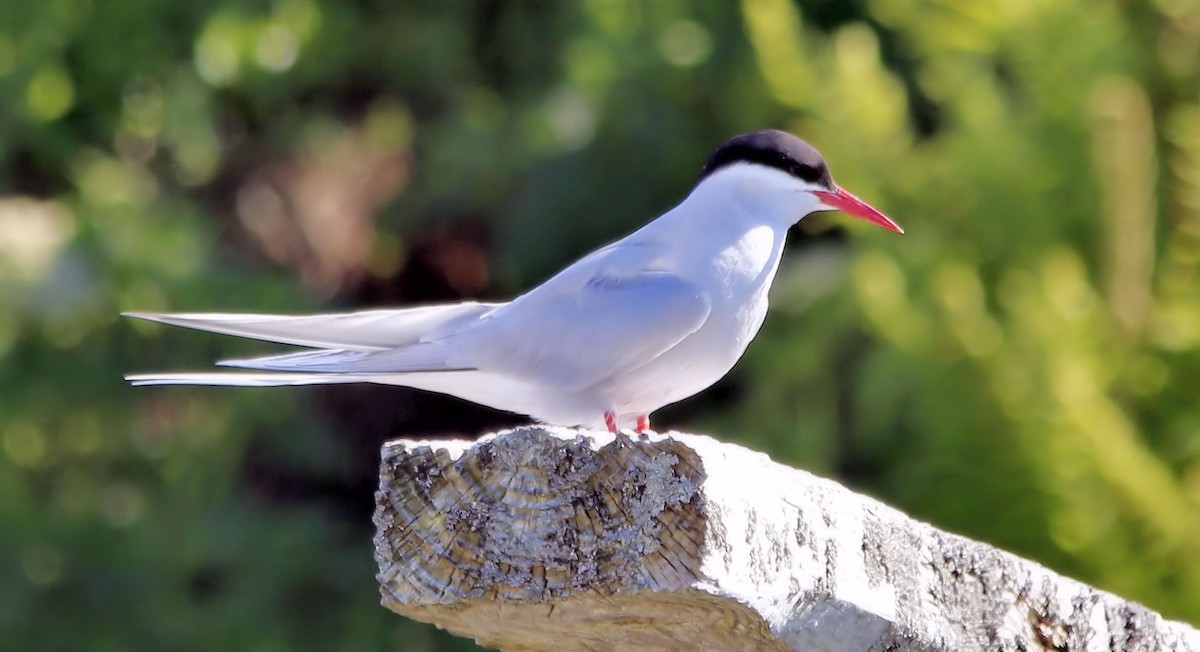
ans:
x=573 y=339
x=368 y=330
x=554 y=337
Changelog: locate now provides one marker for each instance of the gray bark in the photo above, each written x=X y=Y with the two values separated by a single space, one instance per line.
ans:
x=552 y=539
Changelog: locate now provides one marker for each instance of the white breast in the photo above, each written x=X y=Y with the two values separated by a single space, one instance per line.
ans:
x=739 y=276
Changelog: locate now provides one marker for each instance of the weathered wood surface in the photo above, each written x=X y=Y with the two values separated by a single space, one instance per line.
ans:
x=549 y=539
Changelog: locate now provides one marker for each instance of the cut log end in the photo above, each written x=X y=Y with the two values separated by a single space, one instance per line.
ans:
x=538 y=518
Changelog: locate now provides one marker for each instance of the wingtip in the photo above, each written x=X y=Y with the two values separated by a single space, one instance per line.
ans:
x=173 y=378
x=137 y=380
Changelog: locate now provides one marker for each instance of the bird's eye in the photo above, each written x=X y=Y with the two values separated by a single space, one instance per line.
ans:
x=806 y=172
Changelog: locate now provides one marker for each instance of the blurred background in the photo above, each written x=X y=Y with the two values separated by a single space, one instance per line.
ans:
x=1022 y=367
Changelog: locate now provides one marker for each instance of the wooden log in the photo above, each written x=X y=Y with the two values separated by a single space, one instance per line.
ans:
x=554 y=539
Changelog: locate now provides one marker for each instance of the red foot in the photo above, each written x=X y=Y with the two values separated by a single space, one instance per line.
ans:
x=610 y=420
x=643 y=423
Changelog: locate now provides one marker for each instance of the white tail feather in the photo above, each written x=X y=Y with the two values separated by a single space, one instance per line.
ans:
x=416 y=358
x=235 y=379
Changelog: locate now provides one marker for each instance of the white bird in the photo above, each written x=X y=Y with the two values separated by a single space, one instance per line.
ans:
x=646 y=321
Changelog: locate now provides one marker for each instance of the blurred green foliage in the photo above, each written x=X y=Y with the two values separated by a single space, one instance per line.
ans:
x=1022 y=367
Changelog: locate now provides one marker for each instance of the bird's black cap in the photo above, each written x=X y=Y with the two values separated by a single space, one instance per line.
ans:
x=773 y=148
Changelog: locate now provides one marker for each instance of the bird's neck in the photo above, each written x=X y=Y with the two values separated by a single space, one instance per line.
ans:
x=724 y=234
x=720 y=215
x=747 y=197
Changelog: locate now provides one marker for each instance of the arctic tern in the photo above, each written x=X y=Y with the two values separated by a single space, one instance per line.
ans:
x=646 y=321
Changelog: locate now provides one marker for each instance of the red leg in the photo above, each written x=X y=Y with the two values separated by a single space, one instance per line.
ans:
x=610 y=420
x=643 y=423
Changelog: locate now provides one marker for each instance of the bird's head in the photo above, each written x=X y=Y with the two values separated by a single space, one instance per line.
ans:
x=783 y=177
